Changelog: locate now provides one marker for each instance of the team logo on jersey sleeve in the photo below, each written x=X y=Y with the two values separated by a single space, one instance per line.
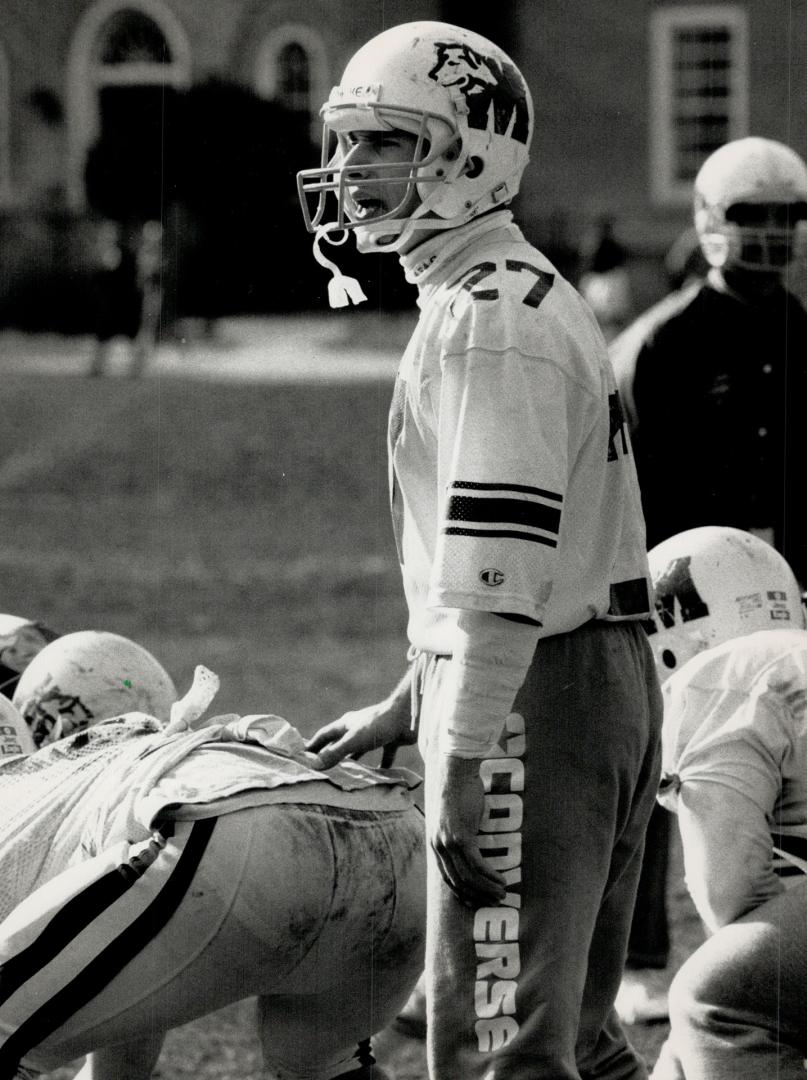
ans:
x=491 y=577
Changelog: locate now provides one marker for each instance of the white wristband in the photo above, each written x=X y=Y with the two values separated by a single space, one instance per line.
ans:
x=488 y=666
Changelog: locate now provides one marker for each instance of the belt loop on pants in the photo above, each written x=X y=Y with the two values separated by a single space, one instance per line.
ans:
x=418 y=662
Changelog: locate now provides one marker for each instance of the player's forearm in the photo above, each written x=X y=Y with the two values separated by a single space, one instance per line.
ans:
x=727 y=852
x=489 y=664
x=399 y=702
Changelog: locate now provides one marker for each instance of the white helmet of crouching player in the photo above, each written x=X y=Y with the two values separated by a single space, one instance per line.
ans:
x=467 y=105
x=713 y=584
x=85 y=677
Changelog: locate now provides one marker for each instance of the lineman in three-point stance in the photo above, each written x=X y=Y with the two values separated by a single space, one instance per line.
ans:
x=153 y=870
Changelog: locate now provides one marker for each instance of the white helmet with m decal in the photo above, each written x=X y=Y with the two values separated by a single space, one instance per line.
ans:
x=469 y=108
x=713 y=584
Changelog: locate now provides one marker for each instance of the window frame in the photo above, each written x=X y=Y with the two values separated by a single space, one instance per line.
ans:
x=267 y=67
x=666 y=190
x=86 y=76
x=6 y=182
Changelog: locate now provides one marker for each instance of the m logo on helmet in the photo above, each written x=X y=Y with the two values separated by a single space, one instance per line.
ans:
x=676 y=585
x=494 y=92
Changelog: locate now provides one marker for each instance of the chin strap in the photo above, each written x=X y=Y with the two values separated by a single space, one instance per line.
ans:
x=342 y=290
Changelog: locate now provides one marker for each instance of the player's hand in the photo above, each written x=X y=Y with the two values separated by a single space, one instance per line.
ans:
x=358 y=732
x=455 y=801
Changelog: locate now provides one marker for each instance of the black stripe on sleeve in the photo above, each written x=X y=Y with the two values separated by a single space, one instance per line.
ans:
x=471 y=485
x=105 y=966
x=536 y=538
x=508 y=511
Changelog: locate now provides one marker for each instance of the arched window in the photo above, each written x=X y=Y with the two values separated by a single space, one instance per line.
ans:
x=130 y=37
x=294 y=77
x=292 y=69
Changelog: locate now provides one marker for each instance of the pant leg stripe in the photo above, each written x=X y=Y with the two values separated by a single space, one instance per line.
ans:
x=74 y=917
x=106 y=965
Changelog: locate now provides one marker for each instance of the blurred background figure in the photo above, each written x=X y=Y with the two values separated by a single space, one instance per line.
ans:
x=604 y=281
x=126 y=292
x=713 y=380
x=149 y=270
x=684 y=261
x=726 y=361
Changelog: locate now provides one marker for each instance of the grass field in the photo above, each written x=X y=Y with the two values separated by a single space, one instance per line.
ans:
x=243 y=526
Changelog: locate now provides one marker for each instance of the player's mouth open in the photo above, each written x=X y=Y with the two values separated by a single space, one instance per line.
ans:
x=365 y=208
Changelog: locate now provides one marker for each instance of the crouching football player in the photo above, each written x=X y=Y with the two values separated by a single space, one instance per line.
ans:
x=153 y=872
x=731 y=635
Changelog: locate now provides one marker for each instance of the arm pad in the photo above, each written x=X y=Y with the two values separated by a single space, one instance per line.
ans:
x=488 y=667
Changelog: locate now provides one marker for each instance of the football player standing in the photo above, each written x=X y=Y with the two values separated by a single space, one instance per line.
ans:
x=726 y=361
x=516 y=512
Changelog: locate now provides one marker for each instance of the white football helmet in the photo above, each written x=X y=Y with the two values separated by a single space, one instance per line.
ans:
x=89 y=676
x=751 y=205
x=467 y=104
x=715 y=583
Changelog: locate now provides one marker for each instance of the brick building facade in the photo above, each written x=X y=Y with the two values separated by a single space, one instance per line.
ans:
x=630 y=97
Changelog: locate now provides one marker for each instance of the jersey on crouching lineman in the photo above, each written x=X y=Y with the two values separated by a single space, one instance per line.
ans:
x=503 y=386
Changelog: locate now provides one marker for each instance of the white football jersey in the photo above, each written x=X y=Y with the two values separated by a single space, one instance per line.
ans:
x=512 y=481
x=736 y=715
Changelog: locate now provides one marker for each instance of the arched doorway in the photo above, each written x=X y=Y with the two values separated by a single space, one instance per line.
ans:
x=126 y=63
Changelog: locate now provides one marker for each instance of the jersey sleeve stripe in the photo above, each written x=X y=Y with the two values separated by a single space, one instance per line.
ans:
x=472 y=485
x=513 y=534
x=507 y=511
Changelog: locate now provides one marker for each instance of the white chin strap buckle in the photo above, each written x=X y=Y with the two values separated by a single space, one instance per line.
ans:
x=342 y=290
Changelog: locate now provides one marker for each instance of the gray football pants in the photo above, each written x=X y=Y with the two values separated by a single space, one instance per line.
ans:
x=525 y=990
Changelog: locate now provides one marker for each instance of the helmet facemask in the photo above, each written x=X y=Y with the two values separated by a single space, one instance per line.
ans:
x=751 y=207
x=434 y=160
x=763 y=237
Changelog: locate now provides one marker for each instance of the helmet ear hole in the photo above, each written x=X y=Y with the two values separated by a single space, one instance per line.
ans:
x=668 y=658
x=475 y=167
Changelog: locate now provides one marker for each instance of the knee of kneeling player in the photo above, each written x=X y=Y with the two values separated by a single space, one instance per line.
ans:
x=699 y=995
